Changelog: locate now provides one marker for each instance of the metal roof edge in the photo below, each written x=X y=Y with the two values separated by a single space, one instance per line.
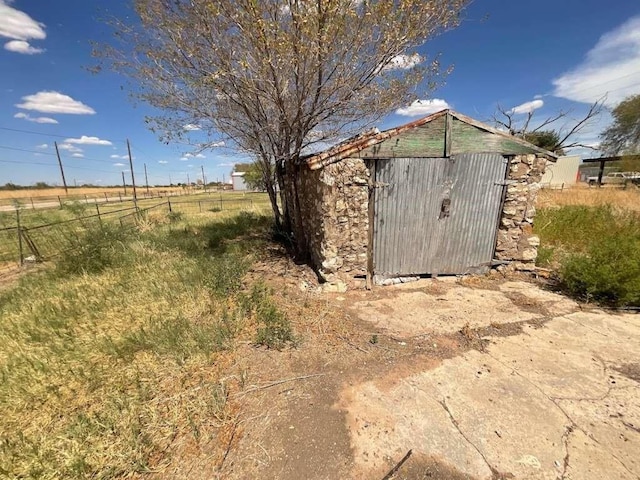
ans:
x=355 y=144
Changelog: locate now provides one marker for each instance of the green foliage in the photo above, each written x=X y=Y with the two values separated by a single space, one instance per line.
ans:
x=596 y=251
x=253 y=175
x=623 y=135
x=547 y=139
x=608 y=273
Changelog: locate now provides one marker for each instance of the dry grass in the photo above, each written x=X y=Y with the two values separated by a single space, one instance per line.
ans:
x=74 y=192
x=122 y=359
x=619 y=198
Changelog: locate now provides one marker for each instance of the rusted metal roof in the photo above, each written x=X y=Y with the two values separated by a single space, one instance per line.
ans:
x=352 y=146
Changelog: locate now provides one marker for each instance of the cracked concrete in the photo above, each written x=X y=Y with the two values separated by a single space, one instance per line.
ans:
x=558 y=401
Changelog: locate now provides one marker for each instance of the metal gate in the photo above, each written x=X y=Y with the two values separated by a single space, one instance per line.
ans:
x=437 y=215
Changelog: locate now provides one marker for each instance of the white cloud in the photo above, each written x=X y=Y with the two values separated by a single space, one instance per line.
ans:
x=69 y=148
x=22 y=46
x=190 y=166
x=184 y=159
x=217 y=144
x=29 y=118
x=123 y=157
x=44 y=145
x=403 y=62
x=77 y=155
x=84 y=140
x=226 y=165
x=190 y=127
x=54 y=102
x=19 y=27
x=423 y=107
x=118 y=164
x=611 y=68
x=188 y=155
x=528 y=107
x=200 y=156
x=162 y=161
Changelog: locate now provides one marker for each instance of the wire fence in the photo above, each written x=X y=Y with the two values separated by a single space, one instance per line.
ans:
x=27 y=241
x=34 y=202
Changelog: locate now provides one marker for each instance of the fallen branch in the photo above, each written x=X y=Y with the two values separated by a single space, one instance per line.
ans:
x=398 y=465
x=277 y=382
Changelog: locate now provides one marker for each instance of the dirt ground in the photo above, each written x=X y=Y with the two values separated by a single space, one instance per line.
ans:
x=478 y=378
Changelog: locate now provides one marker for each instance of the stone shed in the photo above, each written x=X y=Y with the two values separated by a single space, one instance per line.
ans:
x=443 y=195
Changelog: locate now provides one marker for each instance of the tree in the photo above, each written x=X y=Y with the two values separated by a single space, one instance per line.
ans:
x=276 y=76
x=544 y=135
x=622 y=137
x=253 y=175
x=547 y=139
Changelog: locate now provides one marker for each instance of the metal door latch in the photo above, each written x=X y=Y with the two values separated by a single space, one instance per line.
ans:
x=445 y=208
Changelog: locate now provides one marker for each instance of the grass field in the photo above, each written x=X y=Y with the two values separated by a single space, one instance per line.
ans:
x=591 y=238
x=121 y=353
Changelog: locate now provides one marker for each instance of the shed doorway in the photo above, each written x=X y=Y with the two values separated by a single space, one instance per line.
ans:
x=437 y=216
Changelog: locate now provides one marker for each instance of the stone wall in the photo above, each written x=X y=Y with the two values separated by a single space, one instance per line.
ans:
x=334 y=202
x=516 y=241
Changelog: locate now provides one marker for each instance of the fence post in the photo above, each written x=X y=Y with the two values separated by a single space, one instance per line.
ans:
x=169 y=203
x=200 y=206
x=98 y=210
x=32 y=205
x=60 y=200
x=106 y=199
x=19 y=237
x=120 y=196
x=86 y=200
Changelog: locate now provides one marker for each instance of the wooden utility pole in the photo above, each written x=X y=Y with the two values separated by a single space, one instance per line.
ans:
x=133 y=177
x=204 y=179
x=146 y=179
x=64 y=181
x=124 y=184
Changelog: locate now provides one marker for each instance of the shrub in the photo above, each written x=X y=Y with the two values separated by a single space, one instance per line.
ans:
x=609 y=273
x=596 y=250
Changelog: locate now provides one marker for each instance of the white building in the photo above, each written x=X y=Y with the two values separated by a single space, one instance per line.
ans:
x=561 y=173
x=237 y=180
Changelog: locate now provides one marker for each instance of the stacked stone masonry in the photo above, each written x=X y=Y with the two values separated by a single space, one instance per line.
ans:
x=516 y=241
x=334 y=203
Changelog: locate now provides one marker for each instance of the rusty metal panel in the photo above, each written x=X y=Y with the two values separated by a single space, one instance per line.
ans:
x=468 y=234
x=437 y=215
x=407 y=201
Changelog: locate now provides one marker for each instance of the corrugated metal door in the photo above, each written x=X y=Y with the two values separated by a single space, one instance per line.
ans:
x=437 y=215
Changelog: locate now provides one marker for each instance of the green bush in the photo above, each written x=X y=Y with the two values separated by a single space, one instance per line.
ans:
x=609 y=273
x=596 y=251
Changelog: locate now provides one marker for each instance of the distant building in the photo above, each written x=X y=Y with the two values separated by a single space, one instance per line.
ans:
x=563 y=173
x=237 y=180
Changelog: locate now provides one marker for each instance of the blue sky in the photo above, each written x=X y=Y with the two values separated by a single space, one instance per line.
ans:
x=543 y=55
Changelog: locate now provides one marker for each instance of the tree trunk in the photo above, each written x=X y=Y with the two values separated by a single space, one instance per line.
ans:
x=292 y=215
x=273 y=198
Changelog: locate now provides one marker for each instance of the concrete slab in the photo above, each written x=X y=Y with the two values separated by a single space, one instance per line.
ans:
x=413 y=313
x=557 y=401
